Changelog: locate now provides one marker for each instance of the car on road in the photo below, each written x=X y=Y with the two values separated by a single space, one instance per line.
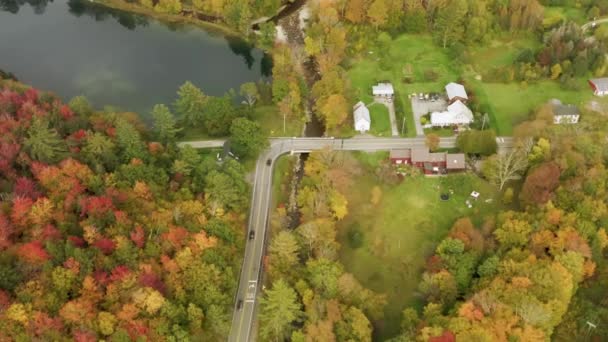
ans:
x=250 y=295
x=239 y=304
x=268 y=161
x=251 y=235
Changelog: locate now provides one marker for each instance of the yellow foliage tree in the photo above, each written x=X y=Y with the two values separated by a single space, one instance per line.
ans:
x=148 y=299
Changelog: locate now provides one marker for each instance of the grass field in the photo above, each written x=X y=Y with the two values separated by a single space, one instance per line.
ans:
x=381 y=123
x=408 y=55
x=402 y=230
x=510 y=104
x=272 y=122
x=499 y=52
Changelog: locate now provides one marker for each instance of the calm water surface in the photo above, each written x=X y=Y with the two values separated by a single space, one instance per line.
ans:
x=116 y=58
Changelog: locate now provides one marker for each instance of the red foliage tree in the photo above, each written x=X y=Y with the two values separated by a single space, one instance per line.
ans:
x=77 y=241
x=25 y=187
x=119 y=272
x=33 y=253
x=135 y=329
x=138 y=236
x=66 y=112
x=101 y=277
x=49 y=232
x=5 y=299
x=447 y=336
x=21 y=207
x=6 y=231
x=96 y=206
x=105 y=245
x=175 y=236
x=152 y=280
x=540 y=183
x=84 y=336
x=8 y=154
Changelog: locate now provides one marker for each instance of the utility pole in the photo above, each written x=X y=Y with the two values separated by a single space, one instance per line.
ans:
x=284 y=123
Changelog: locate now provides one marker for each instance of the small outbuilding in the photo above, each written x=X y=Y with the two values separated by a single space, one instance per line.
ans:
x=599 y=86
x=383 y=90
x=456 y=92
x=361 y=117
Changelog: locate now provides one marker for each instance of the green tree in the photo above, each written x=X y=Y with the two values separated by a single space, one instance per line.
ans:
x=43 y=143
x=164 y=123
x=98 y=150
x=354 y=326
x=267 y=35
x=333 y=110
x=247 y=138
x=450 y=22
x=323 y=275
x=279 y=309
x=129 y=140
x=283 y=251
x=190 y=104
x=378 y=13
x=218 y=114
x=81 y=106
x=250 y=92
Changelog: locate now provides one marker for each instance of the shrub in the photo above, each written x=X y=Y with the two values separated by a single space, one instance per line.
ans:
x=355 y=236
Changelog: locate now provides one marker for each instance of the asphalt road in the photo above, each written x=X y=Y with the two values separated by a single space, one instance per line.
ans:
x=243 y=320
x=594 y=23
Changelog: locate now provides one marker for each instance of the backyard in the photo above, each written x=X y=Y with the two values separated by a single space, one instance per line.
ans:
x=402 y=230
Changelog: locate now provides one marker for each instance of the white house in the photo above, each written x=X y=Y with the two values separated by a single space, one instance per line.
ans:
x=383 y=89
x=564 y=114
x=457 y=114
x=599 y=85
x=456 y=92
x=361 y=117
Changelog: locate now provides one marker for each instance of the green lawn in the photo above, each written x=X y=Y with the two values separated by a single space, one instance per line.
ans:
x=381 y=123
x=402 y=231
x=510 y=104
x=556 y=14
x=499 y=52
x=442 y=132
x=272 y=122
x=408 y=55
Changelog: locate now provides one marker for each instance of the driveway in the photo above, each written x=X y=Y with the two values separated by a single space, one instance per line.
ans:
x=423 y=107
x=391 y=113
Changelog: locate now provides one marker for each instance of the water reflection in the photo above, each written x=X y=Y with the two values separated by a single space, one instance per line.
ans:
x=13 y=6
x=119 y=58
x=101 y=13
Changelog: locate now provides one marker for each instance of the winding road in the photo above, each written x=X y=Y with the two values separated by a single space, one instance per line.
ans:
x=594 y=23
x=250 y=280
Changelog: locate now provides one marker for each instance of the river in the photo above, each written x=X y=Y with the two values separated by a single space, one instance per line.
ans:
x=116 y=58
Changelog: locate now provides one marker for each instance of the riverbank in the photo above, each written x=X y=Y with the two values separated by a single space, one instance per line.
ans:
x=175 y=18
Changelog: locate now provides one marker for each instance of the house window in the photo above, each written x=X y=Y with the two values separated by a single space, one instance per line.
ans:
x=399 y=161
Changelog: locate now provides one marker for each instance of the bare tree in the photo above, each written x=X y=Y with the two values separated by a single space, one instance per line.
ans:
x=502 y=168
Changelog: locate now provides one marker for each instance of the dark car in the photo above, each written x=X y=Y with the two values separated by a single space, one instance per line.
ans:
x=251 y=235
x=268 y=162
x=239 y=304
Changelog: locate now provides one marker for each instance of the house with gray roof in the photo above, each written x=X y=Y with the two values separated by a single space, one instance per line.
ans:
x=564 y=113
x=455 y=92
x=383 y=89
x=361 y=117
